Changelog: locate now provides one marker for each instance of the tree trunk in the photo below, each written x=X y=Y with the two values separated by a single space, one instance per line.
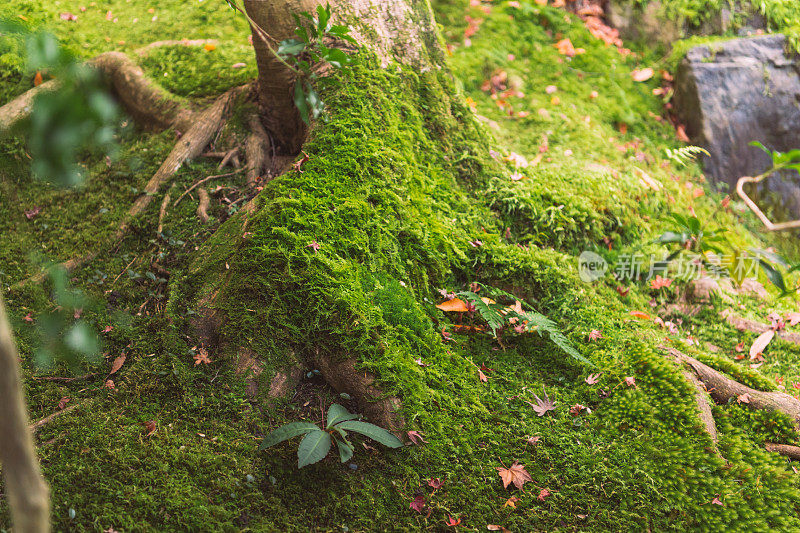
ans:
x=394 y=29
x=28 y=494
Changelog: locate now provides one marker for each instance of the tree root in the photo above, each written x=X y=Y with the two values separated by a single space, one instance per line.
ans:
x=149 y=104
x=202 y=209
x=202 y=181
x=744 y=324
x=255 y=149
x=787 y=450
x=724 y=389
x=205 y=126
x=162 y=213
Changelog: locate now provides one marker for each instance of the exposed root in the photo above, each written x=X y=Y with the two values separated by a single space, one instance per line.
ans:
x=20 y=107
x=256 y=149
x=744 y=324
x=150 y=105
x=229 y=158
x=202 y=181
x=162 y=213
x=792 y=452
x=724 y=389
x=202 y=209
x=343 y=376
x=144 y=50
x=205 y=126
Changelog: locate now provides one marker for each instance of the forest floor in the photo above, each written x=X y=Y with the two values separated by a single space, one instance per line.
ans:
x=173 y=445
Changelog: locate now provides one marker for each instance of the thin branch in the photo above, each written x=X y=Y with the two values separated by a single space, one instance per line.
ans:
x=202 y=181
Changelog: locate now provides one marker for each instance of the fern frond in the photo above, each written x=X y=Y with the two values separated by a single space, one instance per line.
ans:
x=489 y=312
x=686 y=154
x=543 y=325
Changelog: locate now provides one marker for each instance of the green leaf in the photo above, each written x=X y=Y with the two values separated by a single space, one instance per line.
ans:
x=291 y=47
x=313 y=448
x=345 y=450
x=772 y=256
x=337 y=413
x=671 y=236
x=336 y=57
x=372 y=431
x=761 y=146
x=315 y=103
x=300 y=102
x=773 y=274
x=287 y=432
x=323 y=16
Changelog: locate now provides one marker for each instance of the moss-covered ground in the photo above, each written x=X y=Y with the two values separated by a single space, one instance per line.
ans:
x=408 y=190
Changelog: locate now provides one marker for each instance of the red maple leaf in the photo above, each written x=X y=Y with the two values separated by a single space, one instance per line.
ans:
x=418 y=504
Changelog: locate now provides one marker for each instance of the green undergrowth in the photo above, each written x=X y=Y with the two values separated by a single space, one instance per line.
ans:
x=406 y=191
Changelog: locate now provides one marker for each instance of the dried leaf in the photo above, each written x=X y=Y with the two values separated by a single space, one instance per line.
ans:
x=543 y=406
x=201 y=356
x=515 y=474
x=761 y=342
x=544 y=493
x=30 y=214
x=418 y=504
x=511 y=502
x=456 y=305
x=150 y=427
x=495 y=527
x=533 y=440
x=117 y=364
x=435 y=483
x=62 y=403
x=643 y=74
x=592 y=379
x=630 y=381
x=452 y=522
x=640 y=315
x=416 y=437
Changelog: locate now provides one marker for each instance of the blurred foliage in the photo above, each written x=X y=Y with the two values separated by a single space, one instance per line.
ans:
x=77 y=118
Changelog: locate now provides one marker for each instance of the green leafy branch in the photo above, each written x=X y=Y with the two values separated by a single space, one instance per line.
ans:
x=316 y=443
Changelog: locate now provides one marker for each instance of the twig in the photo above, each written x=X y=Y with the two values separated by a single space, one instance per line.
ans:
x=163 y=212
x=39 y=424
x=202 y=181
x=59 y=379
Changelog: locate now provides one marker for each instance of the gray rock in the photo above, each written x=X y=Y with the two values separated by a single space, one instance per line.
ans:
x=731 y=93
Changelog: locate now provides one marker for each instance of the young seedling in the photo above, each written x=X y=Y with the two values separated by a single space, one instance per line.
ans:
x=316 y=443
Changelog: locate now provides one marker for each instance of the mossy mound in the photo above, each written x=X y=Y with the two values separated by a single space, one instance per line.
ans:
x=406 y=194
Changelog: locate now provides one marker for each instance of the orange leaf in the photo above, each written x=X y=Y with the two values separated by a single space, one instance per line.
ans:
x=210 y=47
x=37 y=80
x=761 y=343
x=515 y=474
x=117 y=364
x=453 y=306
x=640 y=315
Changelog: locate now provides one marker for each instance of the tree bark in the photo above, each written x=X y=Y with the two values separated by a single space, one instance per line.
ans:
x=28 y=494
x=402 y=30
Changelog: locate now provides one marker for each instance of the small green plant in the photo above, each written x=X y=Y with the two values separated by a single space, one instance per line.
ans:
x=499 y=315
x=309 y=50
x=685 y=155
x=317 y=442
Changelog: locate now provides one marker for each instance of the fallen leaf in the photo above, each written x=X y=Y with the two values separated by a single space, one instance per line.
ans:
x=452 y=522
x=566 y=48
x=576 y=409
x=515 y=474
x=30 y=214
x=623 y=291
x=416 y=437
x=420 y=362
x=314 y=245
x=595 y=334
x=495 y=527
x=659 y=283
x=62 y=403
x=739 y=347
x=511 y=502
x=436 y=483
x=209 y=47
x=28 y=318
x=630 y=381
x=592 y=379
x=643 y=74
x=761 y=342
x=110 y=384
x=68 y=16
x=533 y=440
x=544 y=493
x=108 y=329
x=150 y=427
x=201 y=356
x=456 y=305
x=716 y=501
x=743 y=398
x=543 y=406
x=117 y=364
x=38 y=79
x=418 y=504
x=680 y=133
x=482 y=376
x=239 y=65
x=793 y=318
x=640 y=315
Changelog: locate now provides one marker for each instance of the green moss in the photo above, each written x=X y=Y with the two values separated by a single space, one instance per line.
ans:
x=399 y=188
